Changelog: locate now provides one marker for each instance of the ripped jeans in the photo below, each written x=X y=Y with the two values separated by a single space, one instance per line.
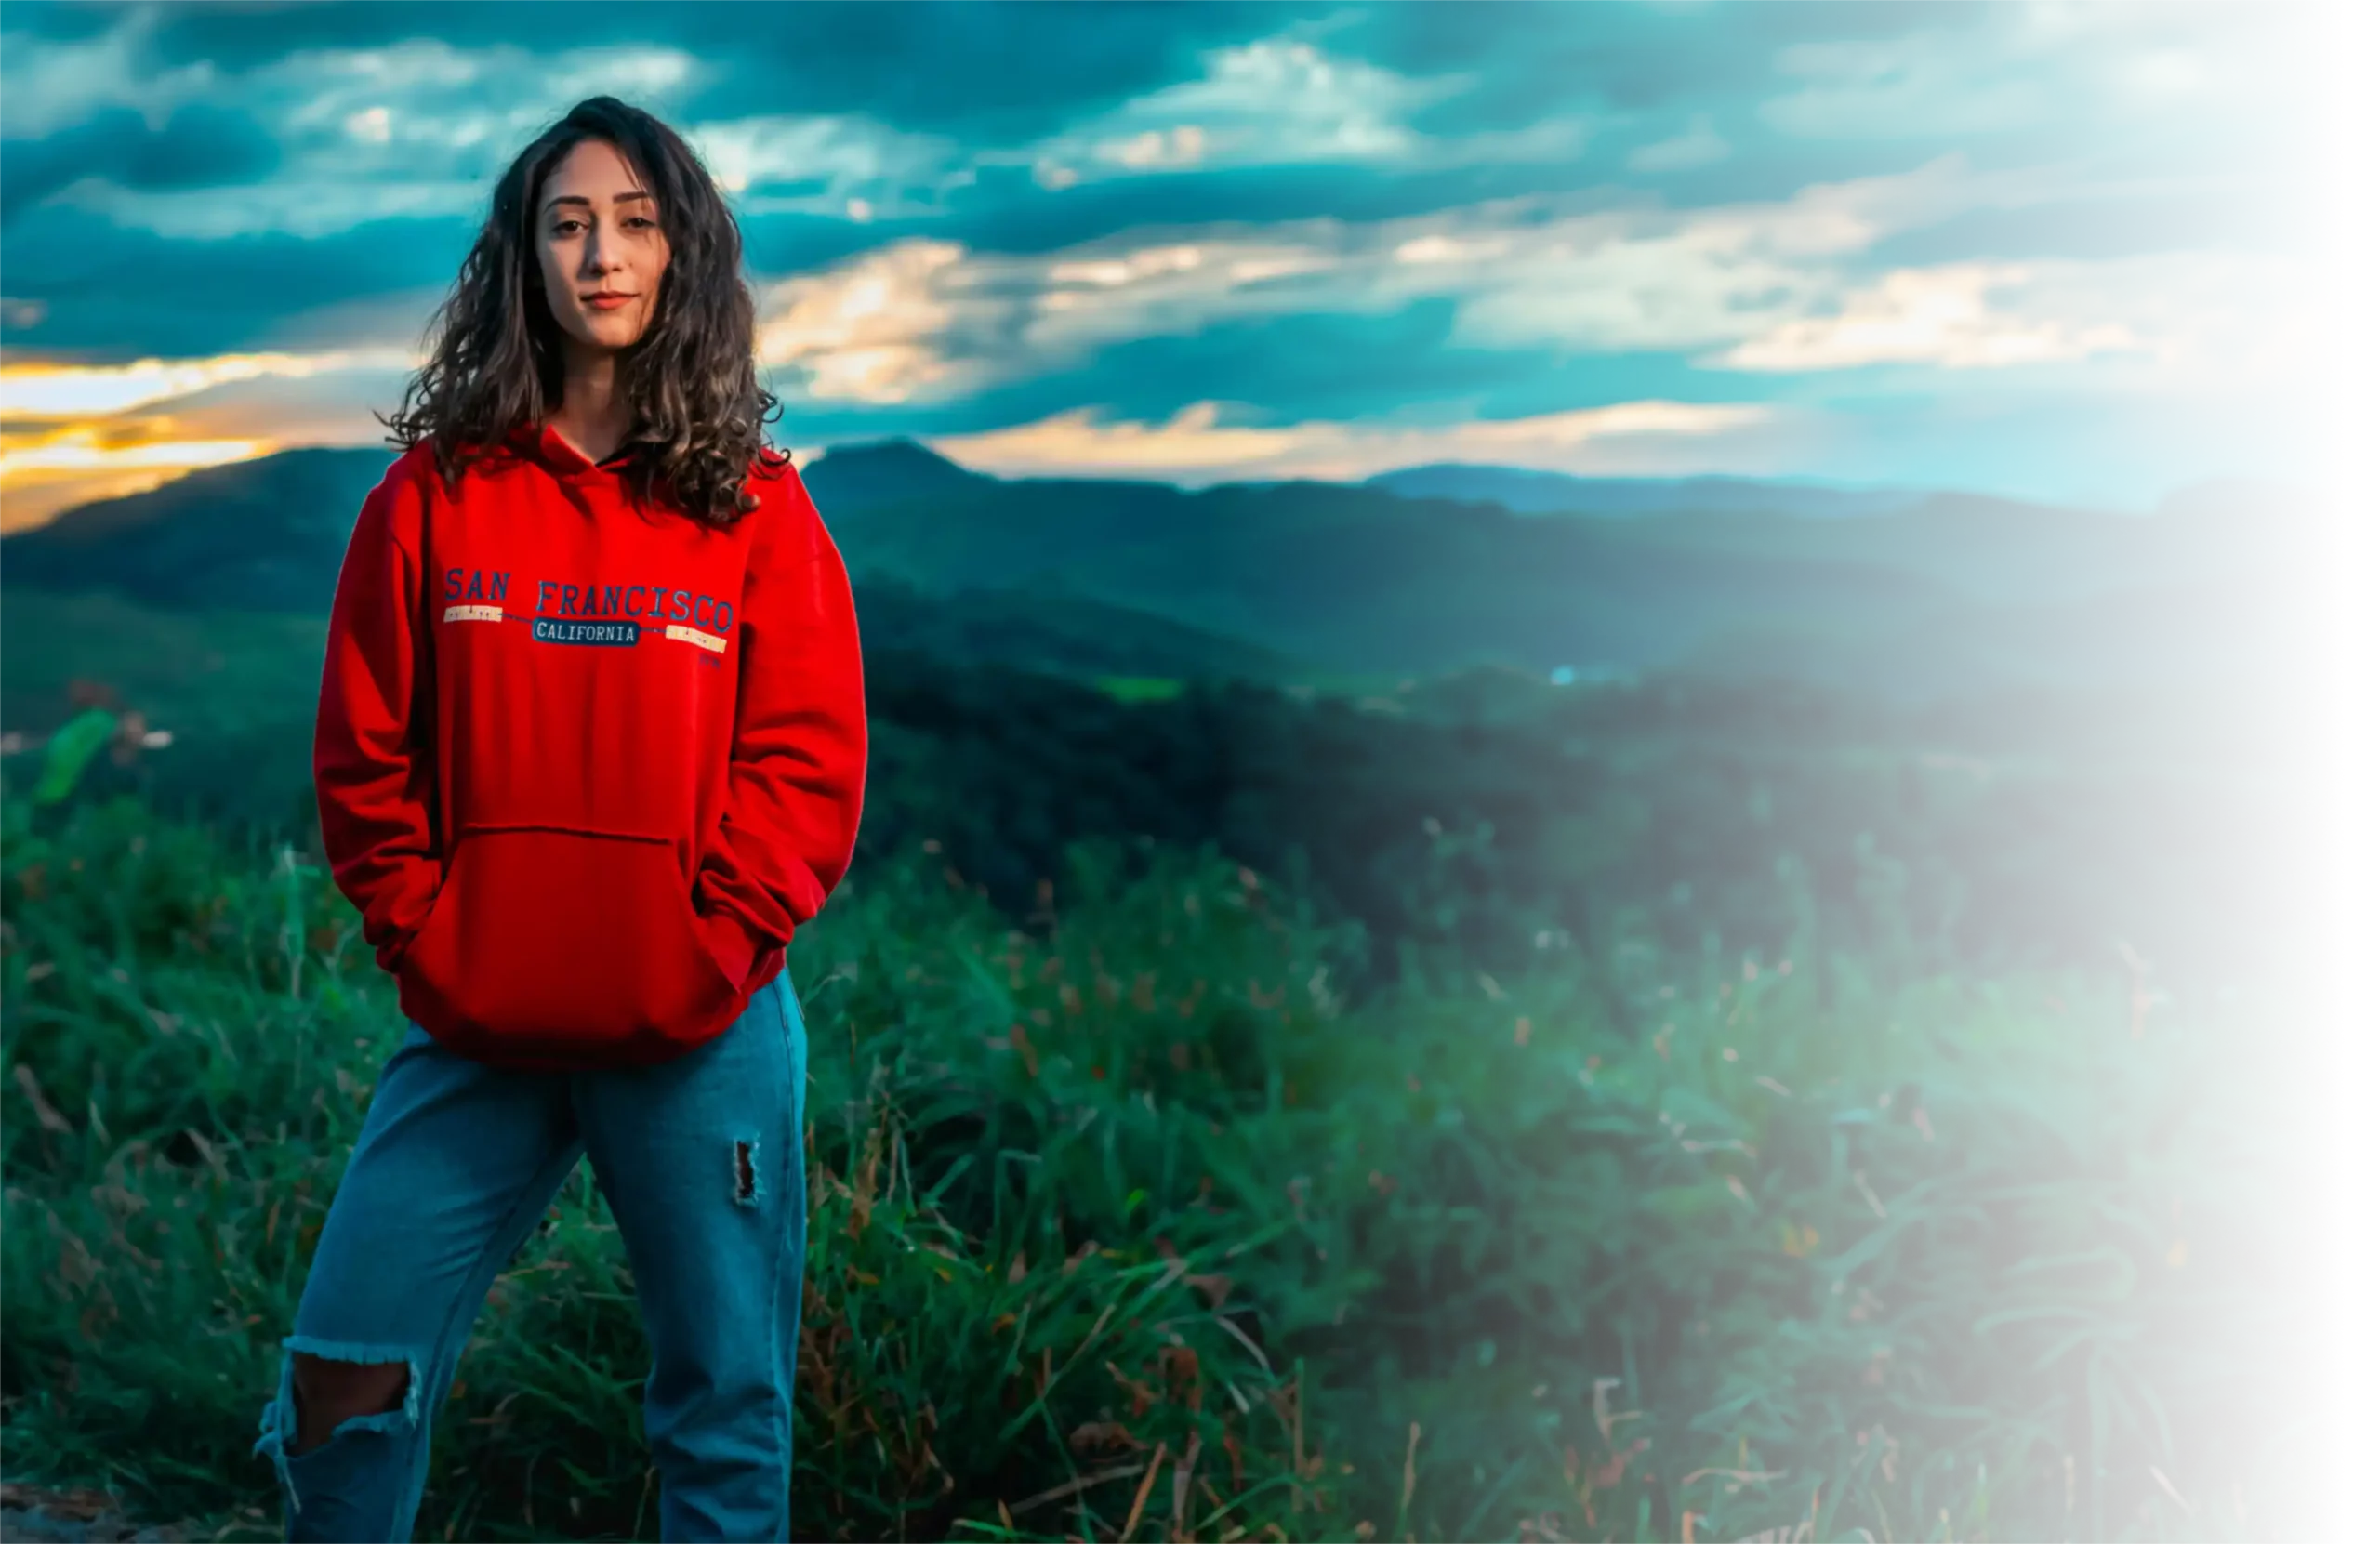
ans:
x=700 y=1160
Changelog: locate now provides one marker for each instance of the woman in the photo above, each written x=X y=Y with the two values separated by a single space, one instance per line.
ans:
x=591 y=747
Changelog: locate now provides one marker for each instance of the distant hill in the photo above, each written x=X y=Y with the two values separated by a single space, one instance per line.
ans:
x=1353 y=578
x=1965 y=538
x=1061 y=635
x=130 y=591
x=2233 y=493
x=2021 y=553
x=855 y=477
x=1348 y=579
x=1528 y=492
x=1141 y=577
x=266 y=534
x=2275 y=624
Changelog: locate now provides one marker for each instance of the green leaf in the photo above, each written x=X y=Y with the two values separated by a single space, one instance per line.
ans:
x=71 y=750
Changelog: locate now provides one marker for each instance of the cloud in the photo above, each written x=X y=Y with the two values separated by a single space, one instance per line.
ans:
x=2271 y=213
x=1633 y=281
x=47 y=85
x=43 y=474
x=2055 y=438
x=1934 y=316
x=417 y=127
x=2034 y=26
x=2212 y=323
x=2309 y=341
x=1335 y=212
x=2055 y=62
x=199 y=146
x=74 y=433
x=1543 y=60
x=2177 y=319
x=973 y=68
x=839 y=166
x=877 y=329
x=108 y=295
x=930 y=321
x=1194 y=447
x=65 y=393
x=2283 y=56
x=927 y=320
x=1697 y=146
x=1276 y=102
x=1760 y=288
x=1894 y=87
x=1284 y=101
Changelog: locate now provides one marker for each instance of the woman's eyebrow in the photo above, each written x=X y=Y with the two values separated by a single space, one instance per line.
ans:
x=576 y=198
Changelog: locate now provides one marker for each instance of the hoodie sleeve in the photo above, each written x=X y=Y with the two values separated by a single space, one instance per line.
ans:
x=798 y=765
x=374 y=763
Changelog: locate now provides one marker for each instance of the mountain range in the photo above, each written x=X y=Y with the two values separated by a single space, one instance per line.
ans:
x=2276 y=622
x=2017 y=551
x=1529 y=491
x=1434 y=568
x=1562 y=493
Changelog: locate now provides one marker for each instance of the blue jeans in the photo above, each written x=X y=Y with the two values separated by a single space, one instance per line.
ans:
x=701 y=1161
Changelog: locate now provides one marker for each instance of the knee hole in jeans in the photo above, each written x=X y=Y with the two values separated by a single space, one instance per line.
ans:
x=328 y=1391
x=748 y=1182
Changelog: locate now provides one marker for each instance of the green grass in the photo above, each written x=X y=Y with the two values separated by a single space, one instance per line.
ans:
x=1136 y=689
x=1632 y=1246
x=212 y=671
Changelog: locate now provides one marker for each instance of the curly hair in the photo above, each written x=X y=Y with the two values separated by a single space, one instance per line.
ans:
x=695 y=402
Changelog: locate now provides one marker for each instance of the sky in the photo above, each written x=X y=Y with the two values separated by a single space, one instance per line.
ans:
x=2053 y=251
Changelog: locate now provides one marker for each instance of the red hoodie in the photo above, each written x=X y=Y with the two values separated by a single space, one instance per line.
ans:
x=584 y=767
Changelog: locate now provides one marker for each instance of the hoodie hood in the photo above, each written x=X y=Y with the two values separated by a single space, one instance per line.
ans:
x=543 y=444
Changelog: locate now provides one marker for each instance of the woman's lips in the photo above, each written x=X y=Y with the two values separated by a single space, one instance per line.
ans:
x=609 y=302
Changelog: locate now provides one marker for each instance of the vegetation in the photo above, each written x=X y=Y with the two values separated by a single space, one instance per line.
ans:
x=1142 y=1223
x=2036 y=829
x=1252 y=1103
x=2217 y=728
x=2274 y=624
x=2045 y=833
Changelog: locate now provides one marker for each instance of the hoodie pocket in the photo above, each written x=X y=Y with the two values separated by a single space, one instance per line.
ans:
x=564 y=938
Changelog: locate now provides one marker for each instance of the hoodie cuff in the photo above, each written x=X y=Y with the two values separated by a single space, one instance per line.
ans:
x=732 y=946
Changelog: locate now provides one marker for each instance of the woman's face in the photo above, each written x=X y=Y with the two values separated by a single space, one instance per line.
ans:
x=598 y=232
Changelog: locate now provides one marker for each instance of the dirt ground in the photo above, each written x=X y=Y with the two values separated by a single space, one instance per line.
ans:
x=83 y=1517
